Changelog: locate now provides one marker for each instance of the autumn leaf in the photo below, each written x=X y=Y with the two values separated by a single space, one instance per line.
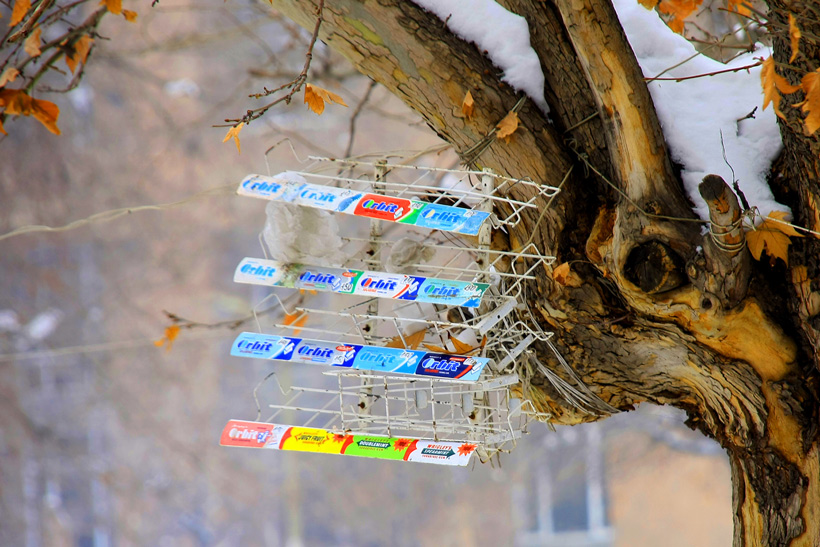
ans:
x=19 y=11
x=81 y=49
x=460 y=348
x=9 y=75
x=772 y=236
x=566 y=277
x=811 y=104
x=114 y=6
x=412 y=340
x=773 y=83
x=648 y=4
x=233 y=133
x=467 y=105
x=32 y=43
x=794 y=35
x=466 y=449
x=738 y=6
x=2 y=129
x=679 y=11
x=507 y=126
x=296 y=320
x=17 y=103
x=130 y=16
x=171 y=334
x=316 y=96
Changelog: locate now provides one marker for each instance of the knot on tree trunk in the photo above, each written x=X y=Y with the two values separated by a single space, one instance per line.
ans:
x=655 y=268
x=728 y=264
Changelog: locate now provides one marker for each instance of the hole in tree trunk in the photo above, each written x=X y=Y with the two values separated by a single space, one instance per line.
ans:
x=655 y=268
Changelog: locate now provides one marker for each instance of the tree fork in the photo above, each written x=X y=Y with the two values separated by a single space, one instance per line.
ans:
x=726 y=360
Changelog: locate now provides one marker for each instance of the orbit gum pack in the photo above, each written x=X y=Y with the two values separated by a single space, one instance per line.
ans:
x=245 y=434
x=292 y=188
x=259 y=271
x=361 y=357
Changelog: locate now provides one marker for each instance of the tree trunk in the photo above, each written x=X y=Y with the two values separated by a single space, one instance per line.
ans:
x=732 y=342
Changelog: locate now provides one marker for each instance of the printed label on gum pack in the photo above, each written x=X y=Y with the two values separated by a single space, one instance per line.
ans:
x=292 y=188
x=259 y=271
x=310 y=439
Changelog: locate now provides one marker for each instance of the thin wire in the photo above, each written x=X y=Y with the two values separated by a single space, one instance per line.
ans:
x=116 y=213
x=547 y=207
x=630 y=200
x=105 y=346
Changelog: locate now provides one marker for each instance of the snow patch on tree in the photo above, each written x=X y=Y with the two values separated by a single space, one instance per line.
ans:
x=504 y=35
x=693 y=112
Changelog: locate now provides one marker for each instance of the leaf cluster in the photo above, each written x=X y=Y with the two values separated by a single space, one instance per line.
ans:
x=25 y=59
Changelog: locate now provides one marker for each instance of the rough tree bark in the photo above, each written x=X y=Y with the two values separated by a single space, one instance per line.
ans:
x=732 y=342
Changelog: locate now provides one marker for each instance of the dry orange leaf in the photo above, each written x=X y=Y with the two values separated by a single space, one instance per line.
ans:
x=233 y=133
x=412 y=340
x=566 y=277
x=772 y=236
x=648 y=4
x=9 y=75
x=507 y=126
x=19 y=11
x=467 y=105
x=297 y=320
x=32 y=43
x=460 y=347
x=679 y=10
x=81 y=49
x=739 y=6
x=2 y=129
x=17 y=103
x=794 y=36
x=811 y=104
x=316 y=96
x=774 y=84
x=114 y=6
x=171 y=334
x=130 y=16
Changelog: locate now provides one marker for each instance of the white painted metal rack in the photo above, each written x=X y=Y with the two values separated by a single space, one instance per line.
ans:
x=485 y=412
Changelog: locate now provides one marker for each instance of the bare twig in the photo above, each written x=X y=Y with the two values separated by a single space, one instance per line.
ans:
x=294 y=85
x=352 y=128
x=682 y=78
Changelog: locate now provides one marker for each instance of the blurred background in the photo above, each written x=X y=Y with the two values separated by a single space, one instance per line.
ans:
x=106 y=439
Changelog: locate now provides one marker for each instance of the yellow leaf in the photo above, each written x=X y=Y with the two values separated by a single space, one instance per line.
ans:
x=782 y=216
x=130 y=16
x=648 y=4
x=32 y=43
x=467 y=105
x=772 y=82
x=460 y=348
x=19 y=11
x=316 y=96
x=17 y=103
x=739 y=6
x=114 y=6
x=794 y=35
x=507 y=126
x=81 y=49
x=171 y=334
x=566 y=277
x=412 y=340
x=9 y=75
x=46 y=113
x=679 y=10
x=233 y=133
x=296 y=320
x=811 y=105
x=771 y=236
